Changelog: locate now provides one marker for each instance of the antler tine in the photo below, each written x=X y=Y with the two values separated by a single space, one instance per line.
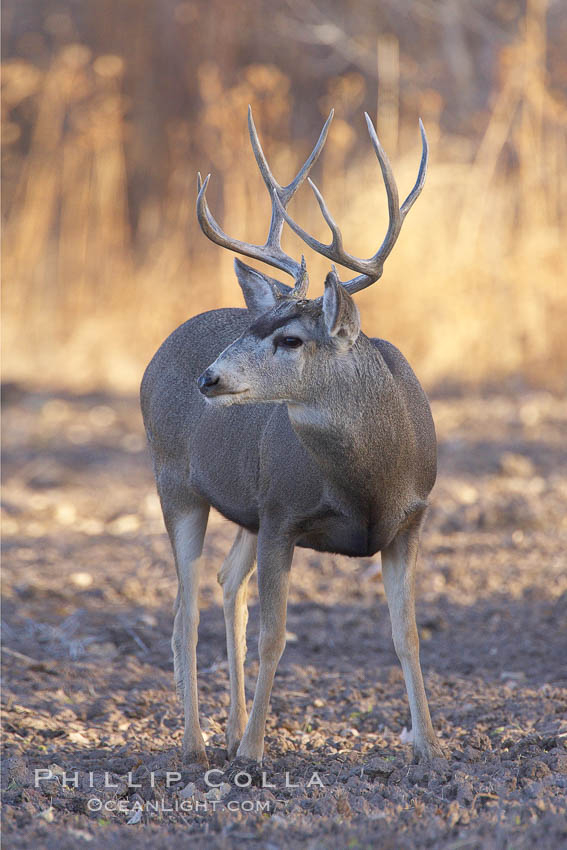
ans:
x=284 y=193
x=370 y=270
x=330 y=251
x=276 y=257
x=395 y=219
x=419 y=183
x=271 y=252
x=334 y=250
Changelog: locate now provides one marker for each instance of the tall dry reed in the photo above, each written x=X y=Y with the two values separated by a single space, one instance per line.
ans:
x=475 y=289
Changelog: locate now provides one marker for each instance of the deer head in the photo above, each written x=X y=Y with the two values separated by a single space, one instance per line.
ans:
x=292 y=341
x=288 y=347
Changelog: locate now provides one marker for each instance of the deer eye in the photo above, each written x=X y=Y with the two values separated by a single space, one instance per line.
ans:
x=290 y=341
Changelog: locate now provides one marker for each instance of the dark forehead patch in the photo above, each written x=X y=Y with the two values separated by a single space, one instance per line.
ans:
x=284 y=312
x=267 y=324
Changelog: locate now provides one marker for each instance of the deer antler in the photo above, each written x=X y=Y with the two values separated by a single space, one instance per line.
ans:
x=271 y=252
x=369 y=270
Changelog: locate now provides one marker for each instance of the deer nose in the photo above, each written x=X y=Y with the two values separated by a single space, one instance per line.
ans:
x=207 y=380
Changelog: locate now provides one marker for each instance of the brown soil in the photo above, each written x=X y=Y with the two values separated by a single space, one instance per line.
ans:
x=88 y=590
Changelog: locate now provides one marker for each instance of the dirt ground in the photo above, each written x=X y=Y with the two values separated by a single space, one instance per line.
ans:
x=88 y=587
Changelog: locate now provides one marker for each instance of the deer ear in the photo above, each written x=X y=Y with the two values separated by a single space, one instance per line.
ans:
x=341 y=315
x=260 y=291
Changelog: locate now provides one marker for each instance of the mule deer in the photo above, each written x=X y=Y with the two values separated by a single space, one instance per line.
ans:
x=301 y=430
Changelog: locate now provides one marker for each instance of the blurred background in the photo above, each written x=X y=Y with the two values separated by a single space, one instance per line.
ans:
x=110 y=108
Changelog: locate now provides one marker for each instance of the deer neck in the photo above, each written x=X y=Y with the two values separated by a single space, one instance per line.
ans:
x=348 y=424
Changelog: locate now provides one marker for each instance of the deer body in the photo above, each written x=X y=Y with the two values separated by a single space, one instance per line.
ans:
x=297 y=427
x=332 y=476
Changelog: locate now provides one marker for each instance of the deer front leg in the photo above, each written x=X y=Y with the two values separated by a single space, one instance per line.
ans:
x=187 y=533
x=233 y=576
x=274 y=562
x=398 y=570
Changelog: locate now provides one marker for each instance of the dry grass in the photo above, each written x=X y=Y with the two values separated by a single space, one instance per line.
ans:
x=474 y=291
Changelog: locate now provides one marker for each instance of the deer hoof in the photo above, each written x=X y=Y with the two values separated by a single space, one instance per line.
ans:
x=232 y=748
x=428 y=753
x=195 y=757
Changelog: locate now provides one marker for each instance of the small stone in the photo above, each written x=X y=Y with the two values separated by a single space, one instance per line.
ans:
x=79 y=738
x=136 y=817
x=378 y=768
x=215 y=793
x=48 y=814
x=188 y=792
x=56 y=770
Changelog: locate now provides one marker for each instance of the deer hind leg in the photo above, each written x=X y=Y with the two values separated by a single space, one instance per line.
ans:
x=187 y=532
x=398 y=570
x=233 y=577
x=274 y=562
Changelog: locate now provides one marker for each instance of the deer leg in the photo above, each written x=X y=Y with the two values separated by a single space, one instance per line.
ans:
x=274 y=563
x=398 y=570
x=233 y=576
x=187 y=532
